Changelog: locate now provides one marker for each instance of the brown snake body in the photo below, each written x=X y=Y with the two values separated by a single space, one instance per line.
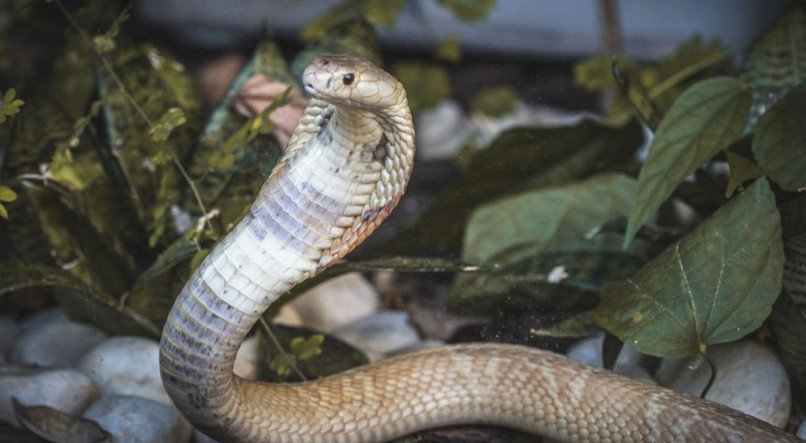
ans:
x=346 y=167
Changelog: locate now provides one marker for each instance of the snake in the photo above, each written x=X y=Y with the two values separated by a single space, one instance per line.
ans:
x=345 y=168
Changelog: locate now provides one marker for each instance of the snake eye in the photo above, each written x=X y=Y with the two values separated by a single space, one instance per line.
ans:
x=348 y=78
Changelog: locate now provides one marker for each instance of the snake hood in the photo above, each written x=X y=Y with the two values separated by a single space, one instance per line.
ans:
x=349 y=81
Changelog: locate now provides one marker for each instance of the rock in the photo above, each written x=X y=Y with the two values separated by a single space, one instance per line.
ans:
x=629 y=362
x=66 y=390
x=246 y=360
x=9 y=329
x=126 y=365
x=802 y=430
x=288 y=316
x=135 y=419
x=36 y=321
x=51 y=340
x=379 y=334
x=441 y=131
x=337 y=302
x=750 y=378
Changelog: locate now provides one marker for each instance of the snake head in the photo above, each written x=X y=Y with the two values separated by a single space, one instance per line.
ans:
x=350 y=81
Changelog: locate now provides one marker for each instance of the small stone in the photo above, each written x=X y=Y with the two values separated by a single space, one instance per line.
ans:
x=9 y=329
x=629 y=362
x=379 y=334
x=750 y=378
x=53 y=341
x=66 y=390
x=802 y=430
x=337 y=302
x=126 y=365
x=246 y=360
x=135 y=419
x=288 y=316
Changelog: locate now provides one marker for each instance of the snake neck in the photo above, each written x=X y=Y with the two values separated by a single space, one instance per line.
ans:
x=316 y=206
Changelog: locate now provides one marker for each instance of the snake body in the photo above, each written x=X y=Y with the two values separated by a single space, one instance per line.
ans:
x=346 y=167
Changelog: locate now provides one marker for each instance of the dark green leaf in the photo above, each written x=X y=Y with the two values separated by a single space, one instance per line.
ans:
x=715 y=285
x=777 y=61
x=515 y=233
x=17 y=275
x=779 y=143
x=708 y=117
x=554 y=219
x=73 y=236
x=518 y=160
x=178 y=252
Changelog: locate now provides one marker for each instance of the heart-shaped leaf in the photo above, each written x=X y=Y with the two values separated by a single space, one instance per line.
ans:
x=715 y=285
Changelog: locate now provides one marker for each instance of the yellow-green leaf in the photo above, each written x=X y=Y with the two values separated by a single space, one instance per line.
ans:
x=7 y=194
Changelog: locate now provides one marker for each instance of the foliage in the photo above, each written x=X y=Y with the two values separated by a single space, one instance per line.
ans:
x=6 y=195
x=707 y=117
x=301 y=349
x=426 y=83
x=713 y=286
x=11 y=105
x=495 y=101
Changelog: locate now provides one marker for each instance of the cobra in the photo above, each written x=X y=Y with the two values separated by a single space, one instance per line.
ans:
x=345 y=168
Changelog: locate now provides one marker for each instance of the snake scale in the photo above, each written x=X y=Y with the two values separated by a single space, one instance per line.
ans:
x=345 y=168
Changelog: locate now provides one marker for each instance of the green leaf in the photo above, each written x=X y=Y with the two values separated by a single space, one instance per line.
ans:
x=554 y=219
x=307 y=348
x=706 y=118
x=495 y=101
x=7 y=194
x=10 y=106
x=715 y=285
x=426 y=84
x=180 y=251
x=518 y=160
x=450 y=50
x=3 y=212
x=779 y=143
x=469 y=10
x=170 y=120
x=336 y=356
x=741 y=170
x=776 y=62
x=517 y=232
